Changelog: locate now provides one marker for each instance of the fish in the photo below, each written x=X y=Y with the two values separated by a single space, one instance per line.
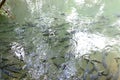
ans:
x=57 y=65
x=84 y=77
x=64 y=39
x=116 y=59
x=53 y=57
x=104 y=63
x=96 y=61
x=109 y=76
x=94 y=68
x=8 y=73
x=86 y=72
x=63 y=14
x=6 y=65
x=29 y=24
x=63 y=24
x=94 y=76
x=4 y=59
x=82 y=68
x=63 y=66
x=14 y=69
x=23 y=76
x=45 y=34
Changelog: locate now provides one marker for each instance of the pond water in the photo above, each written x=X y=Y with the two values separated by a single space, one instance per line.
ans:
x=61 y=40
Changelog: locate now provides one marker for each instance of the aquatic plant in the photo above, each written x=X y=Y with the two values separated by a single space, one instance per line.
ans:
x=2 y=3
x=5 y=9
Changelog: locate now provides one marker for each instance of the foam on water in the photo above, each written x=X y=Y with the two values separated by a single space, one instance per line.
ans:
x=87 y=42
x=34 y=5
x=80 y=2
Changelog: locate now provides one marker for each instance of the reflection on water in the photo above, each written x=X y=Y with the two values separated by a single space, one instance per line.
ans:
x=57 y=40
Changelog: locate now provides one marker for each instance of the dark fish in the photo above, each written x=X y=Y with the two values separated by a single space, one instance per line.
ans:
x=8 y=73
x=67 y=46
x=45 y=34
x=82 y=68
x=63 y=14
x=94 y=76
x=6 y=31
x=109 y=76
x=23 y=76
x=104 y=73
x=67 y=33
x=44 y=60
x=87 y=60
x=58 y=66
x=96 y=61
x=7 y=65
x=14 y=69
x=4 y=59
x=95 y=68
x=29 y=24
x=84 y=77
x=62 y=56
x=86 y=72
x=62 y=24
x=116 y=59
x=55 y=18
x=53 y=57
x=63 y=66
x=64 y=39
x=104 y=63
x=118 y=15
x=74 y=41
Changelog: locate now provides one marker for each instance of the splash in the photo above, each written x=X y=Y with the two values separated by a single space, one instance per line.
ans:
x=87 y=42
x=34 y=5
x=80 y=2
x=18 y=50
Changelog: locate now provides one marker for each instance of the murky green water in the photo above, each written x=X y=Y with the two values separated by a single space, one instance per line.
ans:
x=61 y=40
